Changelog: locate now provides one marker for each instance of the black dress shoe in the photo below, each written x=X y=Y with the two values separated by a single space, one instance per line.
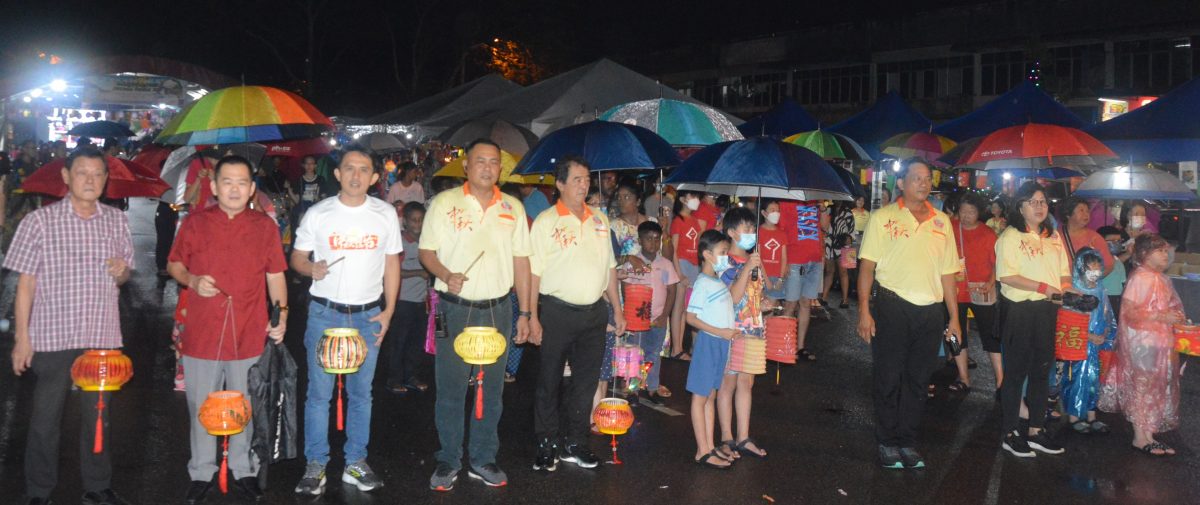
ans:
x=249 y=486
x=105 y=497
x=197 y=491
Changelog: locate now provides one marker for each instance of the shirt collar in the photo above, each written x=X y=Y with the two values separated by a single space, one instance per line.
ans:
x=495 y=194
x=69 y=210
x=563 y=210
x=928 y=206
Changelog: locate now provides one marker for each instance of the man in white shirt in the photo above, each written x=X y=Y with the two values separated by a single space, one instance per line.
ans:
x=355 y=243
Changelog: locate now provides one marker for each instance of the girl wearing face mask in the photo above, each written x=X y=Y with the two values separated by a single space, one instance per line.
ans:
x=772 y=246
x=685 y=235
x=1143 y=381
x=1081 y=378
x=1137 y=221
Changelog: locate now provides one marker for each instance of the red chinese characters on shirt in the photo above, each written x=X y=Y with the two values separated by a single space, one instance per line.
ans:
x=895 y=230
x=564 y=237
x=1030 y=249
x=459 y=219
x=353 y=242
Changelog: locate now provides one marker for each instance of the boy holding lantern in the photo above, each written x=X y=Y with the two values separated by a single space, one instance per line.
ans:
x=663 y=282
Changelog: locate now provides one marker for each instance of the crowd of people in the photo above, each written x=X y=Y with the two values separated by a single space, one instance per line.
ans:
x=396 y=261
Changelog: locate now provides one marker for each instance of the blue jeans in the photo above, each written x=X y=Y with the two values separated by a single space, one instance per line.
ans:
x=652 y=342
x=321 y=386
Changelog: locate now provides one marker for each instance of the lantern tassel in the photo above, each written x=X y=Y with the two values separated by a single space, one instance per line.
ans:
x=616 y=460
x=223 y=480
x=98 y=444
x=340 y=417
x=776 y=373
x=479 y=394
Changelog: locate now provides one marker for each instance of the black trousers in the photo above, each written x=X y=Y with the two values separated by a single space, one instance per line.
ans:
x=578 y=336
x=405 y=341
x=904 y=353
x=53 y=372
x=985 y=324
x=164 y=229
x=1027 y=337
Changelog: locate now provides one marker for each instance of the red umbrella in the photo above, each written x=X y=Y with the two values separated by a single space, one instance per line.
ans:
x=125 y=179
x=153 y=156
x=1037 y=146
x=293 y=150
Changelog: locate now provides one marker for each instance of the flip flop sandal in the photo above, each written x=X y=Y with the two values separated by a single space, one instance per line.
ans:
x=1099 y=427
x=664 y=392
x=681 y=357
x=741 y=447
x=398 y=389
x=930 y=391
x=1081 y=427
x=732 y=455
x=704 y=461
x=1150 y=447
x=418 y=385
x=808 y=356
x=959 y=387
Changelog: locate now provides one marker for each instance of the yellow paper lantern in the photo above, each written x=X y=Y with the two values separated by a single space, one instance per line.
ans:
x=480 y=345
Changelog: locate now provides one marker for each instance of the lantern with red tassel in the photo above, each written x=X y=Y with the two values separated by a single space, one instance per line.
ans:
x=613 y=417
x=479 y=345
x=222 y=414
x=99 y=371
x=341 y=351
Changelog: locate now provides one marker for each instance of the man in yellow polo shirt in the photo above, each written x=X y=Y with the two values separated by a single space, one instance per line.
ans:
x=475 y=241
x=573 y=269
x=909 y=248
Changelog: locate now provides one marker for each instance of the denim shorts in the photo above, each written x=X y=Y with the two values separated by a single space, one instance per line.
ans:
x=804 y=281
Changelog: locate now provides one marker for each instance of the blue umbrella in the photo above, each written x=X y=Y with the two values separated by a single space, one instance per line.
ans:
x=761 y=167
x=604 y=145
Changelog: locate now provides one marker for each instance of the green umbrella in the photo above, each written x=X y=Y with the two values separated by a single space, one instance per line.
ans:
x=830 y=146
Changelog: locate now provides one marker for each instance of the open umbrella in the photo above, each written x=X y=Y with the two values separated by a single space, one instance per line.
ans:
x=760 y=167
x=680 y=123
x=245 y=114
x=1037 y=146
x=381 y=143
x=507 y=163
x=830 y=146
x=926 y=145
x=1134 y=182
x=126 y=179
x=100 y=130
x=605 y=145
x=515 y=139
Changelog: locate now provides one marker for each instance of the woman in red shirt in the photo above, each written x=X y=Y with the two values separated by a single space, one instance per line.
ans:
x=772 y=246
x=685 y=235
x=976 y=285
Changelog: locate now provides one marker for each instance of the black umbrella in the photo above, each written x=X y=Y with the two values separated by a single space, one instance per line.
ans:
x=100 y=130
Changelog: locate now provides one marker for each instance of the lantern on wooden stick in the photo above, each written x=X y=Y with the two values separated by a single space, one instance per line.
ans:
x=101 y=370
x=613 y=417
x=222 y=414
x=637 y=307
x=341 y=351
x=480 y=345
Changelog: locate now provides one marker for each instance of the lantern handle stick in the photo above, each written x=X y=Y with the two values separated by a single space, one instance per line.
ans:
x=336 y=261
x=472 y=265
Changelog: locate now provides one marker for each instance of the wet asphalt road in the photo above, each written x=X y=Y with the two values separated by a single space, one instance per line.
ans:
x=817 y=426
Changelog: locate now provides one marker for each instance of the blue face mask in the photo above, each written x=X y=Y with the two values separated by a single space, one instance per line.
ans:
x=747 y=241
x=722 y=264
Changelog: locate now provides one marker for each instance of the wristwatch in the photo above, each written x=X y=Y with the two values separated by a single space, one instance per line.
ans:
x=524 y=313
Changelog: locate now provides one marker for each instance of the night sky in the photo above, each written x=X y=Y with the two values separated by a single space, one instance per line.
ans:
x=355 y=72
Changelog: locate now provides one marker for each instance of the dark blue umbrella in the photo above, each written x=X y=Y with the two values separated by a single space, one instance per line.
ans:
x=100 y=130
x=604 y=145
x=760 y=167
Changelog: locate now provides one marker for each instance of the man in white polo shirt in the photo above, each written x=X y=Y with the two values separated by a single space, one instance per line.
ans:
x=355 y=243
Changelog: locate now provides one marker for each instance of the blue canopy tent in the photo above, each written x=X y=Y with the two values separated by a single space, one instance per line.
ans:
x=1025 y=103
x=888 y=116
x=786 y=118
x=1164 y=130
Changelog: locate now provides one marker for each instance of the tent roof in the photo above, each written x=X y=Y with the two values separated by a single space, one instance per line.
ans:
x=452 y=100
x=104 y=65
x=1025 y=103
x=1163 y=130
x=575 y=96
x=889 y=115
x=785 y=119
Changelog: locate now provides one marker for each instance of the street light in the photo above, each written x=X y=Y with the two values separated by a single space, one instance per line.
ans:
x=58 y=85
x=36 y=92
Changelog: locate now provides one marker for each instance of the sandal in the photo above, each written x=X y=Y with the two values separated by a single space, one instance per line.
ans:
x=930 y=391
x=741 y=447
x=417 y=385
x=728 y=456
x=681 y=357
x=804 y=353
x=1152 y=446
x=1099 y=427
x=664 y=392
x=1081 y=427
x=398 y=389
x=958 y=387
x=704 y=461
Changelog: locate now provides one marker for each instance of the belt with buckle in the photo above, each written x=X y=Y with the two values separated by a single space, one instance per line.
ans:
x=348 y=309
x=572 y=306
x=475 y=304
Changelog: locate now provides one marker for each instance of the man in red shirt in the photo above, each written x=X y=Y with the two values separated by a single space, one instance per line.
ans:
x=708 y=212
x=806 y=264
x=224 y=254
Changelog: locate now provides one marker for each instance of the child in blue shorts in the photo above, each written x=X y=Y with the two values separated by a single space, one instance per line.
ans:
x=710 y=311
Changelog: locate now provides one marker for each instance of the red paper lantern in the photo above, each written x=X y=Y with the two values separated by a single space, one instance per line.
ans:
x=638 y=302
x=224 y=413
x=1071 y=335
x=781 y=339
x=613 y=417
x=101 y=370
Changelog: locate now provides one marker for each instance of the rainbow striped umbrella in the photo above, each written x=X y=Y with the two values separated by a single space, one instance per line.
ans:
x=245 y=114
x=929 y=146
x=830 y=146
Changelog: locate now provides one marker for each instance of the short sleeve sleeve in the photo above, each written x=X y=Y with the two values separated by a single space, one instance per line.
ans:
x=435 y=223
x=125 y=241
x=538 y=244
x=1064 y=264
x=26 y=250
x=950 y=259
x=872 y=246
x=395 y=243
x=521 y=246
x=700 y=294
x=305 y=233
x=276 y=263
x=1008 y=260
x=672 y=275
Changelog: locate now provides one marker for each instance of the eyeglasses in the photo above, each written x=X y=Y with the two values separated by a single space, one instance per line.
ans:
x=1036 y=203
